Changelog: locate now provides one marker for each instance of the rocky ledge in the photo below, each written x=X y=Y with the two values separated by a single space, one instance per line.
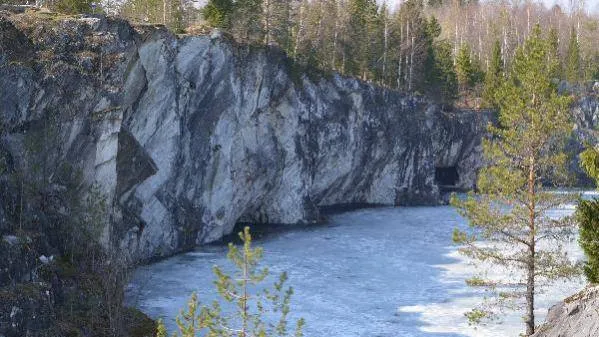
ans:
x=576 y=316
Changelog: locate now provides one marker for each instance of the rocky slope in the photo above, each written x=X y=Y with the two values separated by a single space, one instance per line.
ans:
x=187 y=136
x=576 y=316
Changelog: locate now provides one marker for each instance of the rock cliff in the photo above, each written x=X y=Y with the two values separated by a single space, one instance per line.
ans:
x=187 y=136
x=576 y=316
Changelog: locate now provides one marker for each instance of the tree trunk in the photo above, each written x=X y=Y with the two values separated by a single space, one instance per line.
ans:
x=319 y=25
x=528 y=19
x=385 y=47
x=411 y=64
x=504 y=50
x=245 y=298
x=400 y=58
x=266 y=21
x=455 y=44
x=407 y=56
x=343 y=61
x=530 y=270
x=335 y=37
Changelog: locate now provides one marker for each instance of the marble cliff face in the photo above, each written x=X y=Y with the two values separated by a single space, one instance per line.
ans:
x=187 y=136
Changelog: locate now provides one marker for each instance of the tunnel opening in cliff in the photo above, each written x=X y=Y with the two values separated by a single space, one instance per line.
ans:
x=447 y=177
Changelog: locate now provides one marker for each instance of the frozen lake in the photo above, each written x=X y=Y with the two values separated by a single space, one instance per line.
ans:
x=374 y=272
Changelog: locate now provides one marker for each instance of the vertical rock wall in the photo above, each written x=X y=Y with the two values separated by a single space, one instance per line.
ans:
x=188 y=136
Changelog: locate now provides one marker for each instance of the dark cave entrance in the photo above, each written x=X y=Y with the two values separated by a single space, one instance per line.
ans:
x=447 y=177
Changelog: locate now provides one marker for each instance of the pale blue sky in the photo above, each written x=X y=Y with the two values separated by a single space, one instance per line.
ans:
x=592 y=5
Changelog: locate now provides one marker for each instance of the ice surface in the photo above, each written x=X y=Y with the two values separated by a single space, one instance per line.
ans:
x=376 y=272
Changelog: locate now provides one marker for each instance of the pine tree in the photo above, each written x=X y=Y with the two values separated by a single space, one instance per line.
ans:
x=218 y=13
x=281 y=25
x=439 y=74
x=433 y=29
x=554 y=52
x=247 y=21
x=149 y=11
x=363 y=14
x=384 y=34
x=444 y=72
x=254 y=311
x=573 y=59
x=494 y=76
x=587 y=214
x=176 y=24
x=510 y=209
x=591 y=68
x=464 y=68
x=73 y=6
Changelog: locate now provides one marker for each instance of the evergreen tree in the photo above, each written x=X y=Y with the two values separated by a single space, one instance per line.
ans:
x=494 y=76
x=554 y=52
x=510 y=209
x=362 y=16
x=151 y=11
x=463 y=68
x=73 y=6
x=254 y=312
x=281 y=24
x=218 y=13
x=587 y=214
x=276 y=22
x=435 y=3
x=433 y=29
x=444 y=75
x=383 y=32
x=247 y=23
x=176 y=18
x=591 y=68
x=439 y=74
x=573 y=59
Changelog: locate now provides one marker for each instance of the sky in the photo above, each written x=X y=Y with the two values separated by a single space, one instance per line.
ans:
x=591 y=5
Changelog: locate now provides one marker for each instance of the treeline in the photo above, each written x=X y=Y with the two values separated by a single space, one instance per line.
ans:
x=480 y=25
x=443 y=48
x=399 y=48
x=440 y=47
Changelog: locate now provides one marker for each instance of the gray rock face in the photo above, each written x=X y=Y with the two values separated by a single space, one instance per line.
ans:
x=187 y=137
x=576 y=316
x=586 y=118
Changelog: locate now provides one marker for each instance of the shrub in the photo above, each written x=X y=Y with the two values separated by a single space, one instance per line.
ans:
x=253 y=311
x=588 y=218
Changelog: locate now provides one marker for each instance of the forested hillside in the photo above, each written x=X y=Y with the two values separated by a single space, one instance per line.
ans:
x=450 y=49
